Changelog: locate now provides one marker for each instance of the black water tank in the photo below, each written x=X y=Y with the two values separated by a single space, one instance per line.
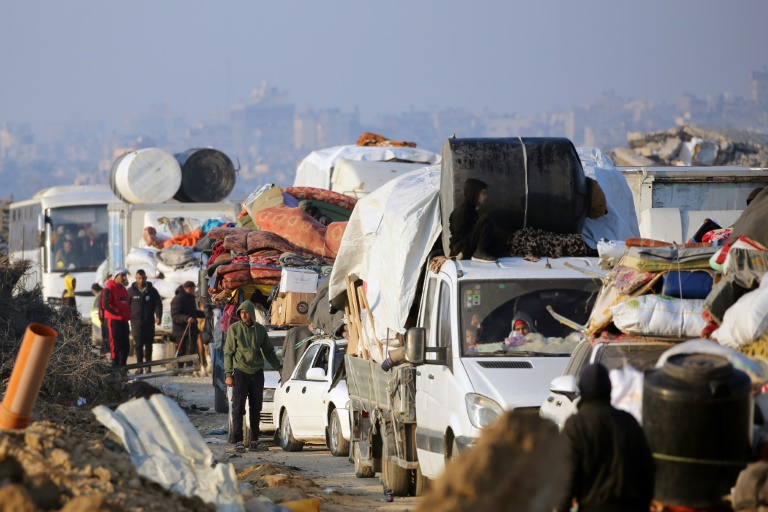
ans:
x=557 y=196
x=697 y=416
x=207 y=176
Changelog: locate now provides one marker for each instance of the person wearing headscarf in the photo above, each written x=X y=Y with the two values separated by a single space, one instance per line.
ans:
x=469 y=231
x=522 y=325
x=68 y=301
x=611 y=466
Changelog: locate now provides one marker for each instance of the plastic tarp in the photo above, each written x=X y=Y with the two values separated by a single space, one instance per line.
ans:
x=621 y=221
x=357 y=179
x=315 y=169
x=386 y=244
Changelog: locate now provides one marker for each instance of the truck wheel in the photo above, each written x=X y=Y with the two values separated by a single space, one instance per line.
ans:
x=396 y=480
x=418 y=484
x=221 y=404
x=287 y=442
x=361 y=470
x=339 y=445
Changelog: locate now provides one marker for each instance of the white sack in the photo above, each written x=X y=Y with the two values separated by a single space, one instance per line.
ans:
x=166 y=322
x=166 y=289
x=183 y=275
x=747 y=319
x=621 y=221
x=657 y=315
x=139 y=258
x=386 y=243
x=757 y=372
x=627 y=390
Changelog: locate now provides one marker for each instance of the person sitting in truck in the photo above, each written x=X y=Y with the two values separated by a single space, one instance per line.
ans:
x=470 y=232
x=65 y=257
x=522 y=325
x=470 y=340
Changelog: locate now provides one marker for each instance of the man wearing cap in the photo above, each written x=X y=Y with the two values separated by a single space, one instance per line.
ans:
x=117 y=312
x=611 y=462
x=184 y=314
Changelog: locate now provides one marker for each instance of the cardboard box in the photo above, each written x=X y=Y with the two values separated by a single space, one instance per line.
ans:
x=291 y=309
x=298 y=280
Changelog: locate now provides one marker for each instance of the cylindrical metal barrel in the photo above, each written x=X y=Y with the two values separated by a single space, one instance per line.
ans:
x=697 y=416
x=207 y=176
x=148 y=175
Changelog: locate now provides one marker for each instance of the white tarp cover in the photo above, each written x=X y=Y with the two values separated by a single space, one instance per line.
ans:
x=386 y=243
x=315 y=169
x=621 y=221
x=357 y=179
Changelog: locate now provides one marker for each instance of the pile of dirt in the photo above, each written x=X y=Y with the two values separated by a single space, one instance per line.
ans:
x=517 y=465
x=49 y=467
x=279 y=484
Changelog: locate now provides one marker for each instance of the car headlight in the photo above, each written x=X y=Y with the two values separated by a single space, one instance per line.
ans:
x=268 y=395
x=483 y=411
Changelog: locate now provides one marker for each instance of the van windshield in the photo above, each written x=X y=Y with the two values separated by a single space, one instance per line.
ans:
x=510 y=318
x=77 y=240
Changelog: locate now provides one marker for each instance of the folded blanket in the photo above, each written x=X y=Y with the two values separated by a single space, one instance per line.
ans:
x=222 y=232
x=268 y=257
x=293 y=260
x=321 y=194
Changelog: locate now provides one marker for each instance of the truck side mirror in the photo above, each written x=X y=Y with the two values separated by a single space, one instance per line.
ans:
x=415 y=345
x=565 y=385
x=317 y=374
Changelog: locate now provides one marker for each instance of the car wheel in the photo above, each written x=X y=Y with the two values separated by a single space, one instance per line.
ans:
x=287 y=442
x=361 y=470
x=339 y=445
x=221 y=404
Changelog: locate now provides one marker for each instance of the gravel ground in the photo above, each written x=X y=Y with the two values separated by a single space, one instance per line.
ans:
x=333 y=475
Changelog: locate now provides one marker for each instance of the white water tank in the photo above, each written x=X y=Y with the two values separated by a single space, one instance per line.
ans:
x=148 y=175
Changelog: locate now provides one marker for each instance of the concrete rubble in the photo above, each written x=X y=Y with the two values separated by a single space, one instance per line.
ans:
x=694 y=145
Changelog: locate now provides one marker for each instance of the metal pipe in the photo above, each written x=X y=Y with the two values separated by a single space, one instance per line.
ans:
x=27 y=376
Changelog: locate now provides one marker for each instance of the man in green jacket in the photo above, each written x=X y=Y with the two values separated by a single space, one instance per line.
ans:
x=244 y=352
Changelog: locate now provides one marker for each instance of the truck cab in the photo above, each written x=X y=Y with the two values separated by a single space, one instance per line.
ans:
x=470 y=363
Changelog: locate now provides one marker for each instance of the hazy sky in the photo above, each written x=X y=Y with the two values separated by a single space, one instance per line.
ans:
x=107 y=60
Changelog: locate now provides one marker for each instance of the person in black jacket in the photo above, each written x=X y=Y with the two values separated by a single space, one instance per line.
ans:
x=470 y=232
x=611 y=462
x=184 y=314
x=146 y=312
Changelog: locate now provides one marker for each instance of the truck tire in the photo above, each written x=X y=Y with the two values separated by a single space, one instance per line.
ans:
x=396 y=480
x=339 y=445
x=361 y=470
x=419 y=484
x=287 y=442
x=221 y=404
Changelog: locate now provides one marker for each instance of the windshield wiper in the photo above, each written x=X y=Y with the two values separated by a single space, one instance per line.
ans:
x=526 y=353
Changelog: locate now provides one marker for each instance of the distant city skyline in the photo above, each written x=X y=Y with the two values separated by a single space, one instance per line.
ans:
x=101 y=62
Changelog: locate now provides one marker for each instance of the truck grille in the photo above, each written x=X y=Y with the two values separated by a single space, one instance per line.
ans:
x=505 y=364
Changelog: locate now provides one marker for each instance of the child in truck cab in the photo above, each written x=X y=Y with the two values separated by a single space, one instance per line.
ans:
x=470 y=341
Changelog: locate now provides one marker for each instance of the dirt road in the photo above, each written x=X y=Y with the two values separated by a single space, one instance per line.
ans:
x=334 y=477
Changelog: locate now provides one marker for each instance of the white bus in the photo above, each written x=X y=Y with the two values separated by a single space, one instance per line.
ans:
x=62 y=231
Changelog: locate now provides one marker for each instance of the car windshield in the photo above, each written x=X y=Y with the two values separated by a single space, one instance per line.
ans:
x=277 y=342
x=77 y=238
x=639 y=356
x=510 y=318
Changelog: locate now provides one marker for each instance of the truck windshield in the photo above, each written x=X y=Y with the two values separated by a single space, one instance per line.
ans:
x=510 y=318
x=77 y=238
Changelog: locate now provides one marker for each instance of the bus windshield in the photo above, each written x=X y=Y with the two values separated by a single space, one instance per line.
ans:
x=77 y=238
x=511 y=318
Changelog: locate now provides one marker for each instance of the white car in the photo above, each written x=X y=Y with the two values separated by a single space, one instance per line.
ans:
x=271 y=382
x=312 y=405
x=564 y=392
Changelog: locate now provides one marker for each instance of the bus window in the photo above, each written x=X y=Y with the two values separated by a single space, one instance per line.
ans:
x=78 y=238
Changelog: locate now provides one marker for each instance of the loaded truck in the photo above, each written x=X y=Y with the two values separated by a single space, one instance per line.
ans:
x=439 y=359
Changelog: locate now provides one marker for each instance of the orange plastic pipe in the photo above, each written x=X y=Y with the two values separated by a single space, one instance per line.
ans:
x=27 y=376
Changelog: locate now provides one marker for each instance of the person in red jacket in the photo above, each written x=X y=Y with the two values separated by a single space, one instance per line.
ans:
x=117 y=312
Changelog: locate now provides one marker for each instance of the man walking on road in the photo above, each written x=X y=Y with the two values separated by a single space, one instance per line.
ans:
x=117 y=312
x=611 y=462
x=246 y=348
x=184 y=314
x=146 y=311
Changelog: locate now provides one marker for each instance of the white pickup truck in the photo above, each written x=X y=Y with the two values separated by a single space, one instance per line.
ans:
x=408 y=422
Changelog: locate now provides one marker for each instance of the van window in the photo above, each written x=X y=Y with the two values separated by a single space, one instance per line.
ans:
x=306 y=362
x=444 y=331
x=426 y=321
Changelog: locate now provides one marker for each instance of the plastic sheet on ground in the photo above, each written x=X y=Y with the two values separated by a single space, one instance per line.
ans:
x=166 y=448
x=386 y=244
x=621 y=221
